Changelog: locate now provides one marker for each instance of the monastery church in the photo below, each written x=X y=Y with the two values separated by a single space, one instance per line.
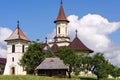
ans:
x=17 y=43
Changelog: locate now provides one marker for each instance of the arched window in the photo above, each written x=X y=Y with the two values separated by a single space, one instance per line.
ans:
x=13 y=48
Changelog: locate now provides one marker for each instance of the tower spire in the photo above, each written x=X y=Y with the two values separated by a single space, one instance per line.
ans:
x=61 y=15
x=17 y=34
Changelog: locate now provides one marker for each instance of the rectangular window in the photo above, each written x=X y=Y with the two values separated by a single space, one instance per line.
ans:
x=13 y=48
x=23 y=48
x=12 y=59
x=59 y=30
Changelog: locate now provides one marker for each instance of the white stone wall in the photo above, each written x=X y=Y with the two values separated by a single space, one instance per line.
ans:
x=63 y=44
x=63 y=39
x=59 y=44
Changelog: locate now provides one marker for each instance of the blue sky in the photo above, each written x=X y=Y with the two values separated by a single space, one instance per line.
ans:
x=37 y=16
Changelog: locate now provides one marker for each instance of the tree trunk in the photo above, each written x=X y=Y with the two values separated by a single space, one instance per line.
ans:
x=98 y=78
x=69 y=74
x=69 y=71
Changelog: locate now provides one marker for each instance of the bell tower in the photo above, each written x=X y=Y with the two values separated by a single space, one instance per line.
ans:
x=61 y=26
x=16 y=46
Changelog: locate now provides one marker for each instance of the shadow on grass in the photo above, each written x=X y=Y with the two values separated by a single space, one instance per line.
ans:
x=87 y=78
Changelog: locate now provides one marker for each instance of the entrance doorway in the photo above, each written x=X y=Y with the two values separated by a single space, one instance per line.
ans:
x=13 y=70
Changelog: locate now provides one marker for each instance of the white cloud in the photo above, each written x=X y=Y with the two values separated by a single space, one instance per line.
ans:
x=4 y=33
x=93 y=31
x=113 y=55
x=51 y=36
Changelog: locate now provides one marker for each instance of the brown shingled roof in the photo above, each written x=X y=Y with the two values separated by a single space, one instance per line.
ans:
x=52 y=63
x=76 y=44
x=17 y=35
x=61 y=15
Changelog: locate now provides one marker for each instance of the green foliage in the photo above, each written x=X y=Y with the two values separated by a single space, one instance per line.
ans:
x=49 y=53
x=100 y=66
x=97 y=64
x=32 y=57
x=115 y=71
x=69 y=58
x=78 y=65
x=67 y=55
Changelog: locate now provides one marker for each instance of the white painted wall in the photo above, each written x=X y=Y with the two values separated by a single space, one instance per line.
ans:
x=17 y=56
x=63 y=29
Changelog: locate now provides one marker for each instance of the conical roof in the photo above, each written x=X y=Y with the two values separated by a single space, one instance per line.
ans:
x=17 y=35
x=61 y=15
x=77 y=45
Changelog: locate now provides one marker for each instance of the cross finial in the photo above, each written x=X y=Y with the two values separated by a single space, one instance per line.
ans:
x=18 y=23
x=46 y=39
x=61 y=2
x=76 y=32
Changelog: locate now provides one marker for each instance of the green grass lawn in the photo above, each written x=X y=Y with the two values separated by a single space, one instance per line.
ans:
x=30 y=77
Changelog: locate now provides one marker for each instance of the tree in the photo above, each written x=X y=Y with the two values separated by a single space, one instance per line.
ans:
x=82 y=64
x=78 y=65
x=100 y=66
x=115 y=71
x=69 y=58
x=32 y=57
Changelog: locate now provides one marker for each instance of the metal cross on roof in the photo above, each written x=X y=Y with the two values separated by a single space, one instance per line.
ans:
x=76 y=32
x=18 y=23
x=61 y=2
x=46 y=39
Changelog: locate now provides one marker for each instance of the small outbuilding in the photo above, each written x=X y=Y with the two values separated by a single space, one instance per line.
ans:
x=52 y=67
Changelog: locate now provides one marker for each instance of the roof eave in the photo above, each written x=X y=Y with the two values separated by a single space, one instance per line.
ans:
x=61 y=20
x=17 y=39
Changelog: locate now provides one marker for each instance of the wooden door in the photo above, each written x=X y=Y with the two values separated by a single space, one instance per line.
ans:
x=13 y=70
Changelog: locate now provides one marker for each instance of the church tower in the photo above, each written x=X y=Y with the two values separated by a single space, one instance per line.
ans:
x=16 y=46
x=61 y=28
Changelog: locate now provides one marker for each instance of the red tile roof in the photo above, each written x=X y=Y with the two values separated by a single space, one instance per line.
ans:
x=2 y=61
x=61 y=15
x=77 y=45
x=17 y=35
x=44 y=45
